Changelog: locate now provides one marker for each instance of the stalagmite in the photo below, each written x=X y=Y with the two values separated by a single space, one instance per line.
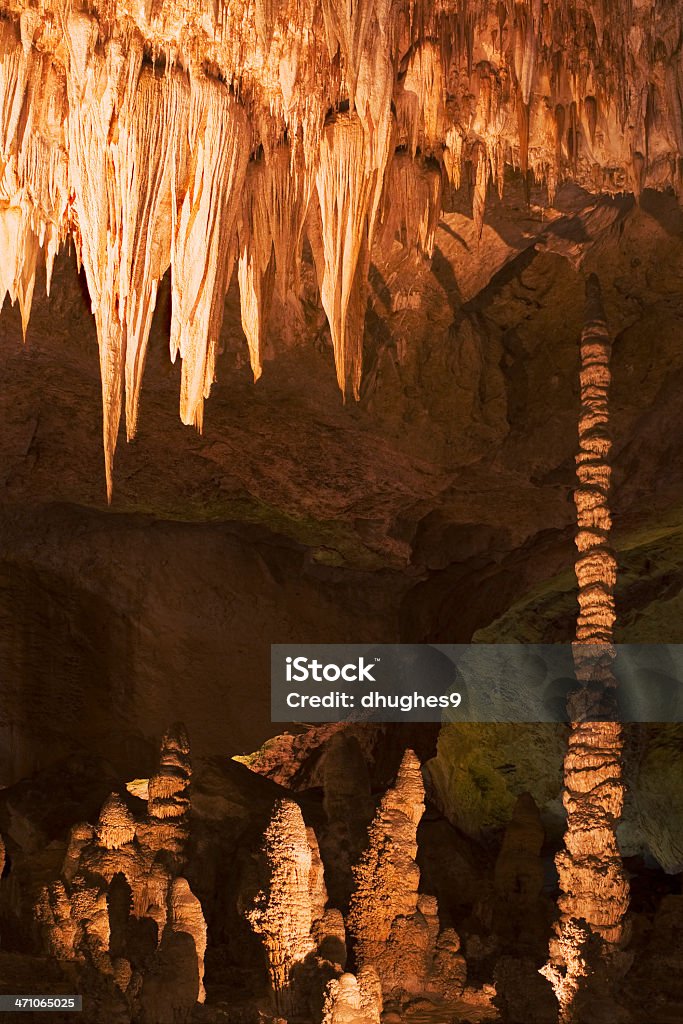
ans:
x=594 y=888
x=287 y=909
x=121 y=911
x=393 y=927
x=185 y=917
x=167 y=789
x=354 y=1000
x=116 y=826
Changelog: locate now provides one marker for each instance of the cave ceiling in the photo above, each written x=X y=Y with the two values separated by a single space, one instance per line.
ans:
x=227 y=138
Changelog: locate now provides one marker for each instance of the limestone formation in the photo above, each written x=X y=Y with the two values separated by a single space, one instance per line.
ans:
x=594 y=887
x=353 y=999
x=130 y=129
x=394 y=928
x=449 y=970
x=122 y=912
x=288 y=913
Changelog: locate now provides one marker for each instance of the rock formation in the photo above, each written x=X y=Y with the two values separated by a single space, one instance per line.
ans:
x=353 y=1000
x=594 y=888
x=393 y=927
x=122 y=126
x=121 y=910
x=289 y=914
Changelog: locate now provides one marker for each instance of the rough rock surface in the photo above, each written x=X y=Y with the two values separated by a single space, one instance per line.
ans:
x=234 y=519
x=354 y=1000
x=394 y=928
x=289 y=912
x=594 y=890
x=120 y=910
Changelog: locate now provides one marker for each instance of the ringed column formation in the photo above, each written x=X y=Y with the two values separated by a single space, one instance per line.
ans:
x=594 y=888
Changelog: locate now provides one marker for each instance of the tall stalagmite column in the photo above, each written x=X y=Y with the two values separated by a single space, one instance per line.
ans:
x=594 y=889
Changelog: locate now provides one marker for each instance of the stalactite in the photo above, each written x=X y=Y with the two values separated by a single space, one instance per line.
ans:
x=594 y=888
x=150 y=153
x=573 y=136
x=452 y=156
x=204 y=243
x=590 y=107
x=524 y=51
x=412 y=205
x=136 y=141
x=523 y=129
x=345 y=190
x=347 y=27
x=255 y=269
x=289 y=186
x=274 y=207
x=101 y=89
x=33 y=164
x=481 y=184
x=420 y=100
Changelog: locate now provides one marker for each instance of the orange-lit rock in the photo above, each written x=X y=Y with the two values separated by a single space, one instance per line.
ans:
x=594 y=887
x=130 y=124
x=122 y=913
x=395 y=928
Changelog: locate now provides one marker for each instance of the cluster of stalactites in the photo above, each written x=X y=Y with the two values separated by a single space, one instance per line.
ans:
x=148 y=164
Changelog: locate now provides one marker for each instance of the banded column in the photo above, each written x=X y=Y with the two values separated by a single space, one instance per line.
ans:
x=594 y=889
